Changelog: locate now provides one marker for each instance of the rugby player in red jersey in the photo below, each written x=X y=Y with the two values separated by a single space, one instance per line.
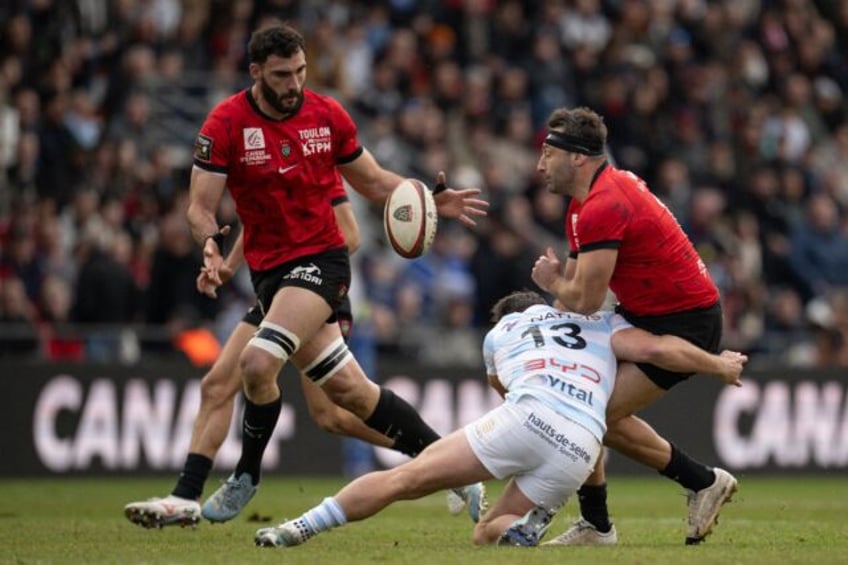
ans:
x=222 y=382
x=623 y=238
x=280 y=148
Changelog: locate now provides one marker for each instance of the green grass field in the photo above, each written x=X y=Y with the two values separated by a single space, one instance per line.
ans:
x=797 y=520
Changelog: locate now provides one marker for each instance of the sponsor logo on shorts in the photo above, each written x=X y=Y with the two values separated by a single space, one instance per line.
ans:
x=485 y=427
x=310 y=273
x=550 y=434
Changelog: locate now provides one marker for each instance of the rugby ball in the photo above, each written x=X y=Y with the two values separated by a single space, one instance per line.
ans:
x=410 y=219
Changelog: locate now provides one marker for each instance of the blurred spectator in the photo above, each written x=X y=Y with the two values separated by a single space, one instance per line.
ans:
x=106 y=292
x=787 y=340
x=18 y=317
x=58 y=343
x=171 y=296
x=819 y=249
x=502 y=262
x=23 y=167
x=59 y=167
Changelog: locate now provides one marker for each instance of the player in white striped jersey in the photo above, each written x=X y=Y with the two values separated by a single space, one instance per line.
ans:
x=556 y=371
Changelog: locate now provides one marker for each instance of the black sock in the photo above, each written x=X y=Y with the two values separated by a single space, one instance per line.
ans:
x=593 y=506
x=257 y=426
x=194 y=474
x=395 y=418
x=688 y=472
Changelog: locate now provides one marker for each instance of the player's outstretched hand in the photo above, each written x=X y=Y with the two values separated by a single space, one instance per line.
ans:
x=546 y=270
x=459 y=204
x=733 y=362
x=207 y=285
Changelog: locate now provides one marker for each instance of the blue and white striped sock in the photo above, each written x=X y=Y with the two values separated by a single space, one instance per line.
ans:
x=325 y=516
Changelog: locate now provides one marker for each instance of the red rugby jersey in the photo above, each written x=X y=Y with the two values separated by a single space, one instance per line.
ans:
x=658 y=270
x=281 y=173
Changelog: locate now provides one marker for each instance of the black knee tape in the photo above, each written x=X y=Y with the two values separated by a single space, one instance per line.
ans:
x=328 y=362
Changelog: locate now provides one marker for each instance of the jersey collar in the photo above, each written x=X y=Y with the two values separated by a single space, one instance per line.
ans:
x=597 y=174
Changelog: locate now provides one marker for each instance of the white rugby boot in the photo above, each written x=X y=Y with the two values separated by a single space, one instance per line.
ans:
x=159 y=512
x=583 y=532
x=705 y=504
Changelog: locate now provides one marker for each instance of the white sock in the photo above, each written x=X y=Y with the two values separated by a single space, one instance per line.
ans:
x=325 y=516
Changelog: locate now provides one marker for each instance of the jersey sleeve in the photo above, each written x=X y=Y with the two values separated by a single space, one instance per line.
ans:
x=618 y=323
x=489 y=353
x=212 y=145
x=338 y=194
x=346 y=140
x=602 y=222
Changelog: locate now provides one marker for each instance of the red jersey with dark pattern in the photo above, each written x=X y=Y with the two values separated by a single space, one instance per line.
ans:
x=658 y=270
x=281 y=173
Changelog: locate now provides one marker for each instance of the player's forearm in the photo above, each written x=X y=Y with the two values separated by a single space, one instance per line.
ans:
x=676 y=354
x=202 y=222
x=574 y=297
x=368 y=178
x=380 y=185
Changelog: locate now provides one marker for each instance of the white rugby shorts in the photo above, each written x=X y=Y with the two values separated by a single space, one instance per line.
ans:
x=549 y=455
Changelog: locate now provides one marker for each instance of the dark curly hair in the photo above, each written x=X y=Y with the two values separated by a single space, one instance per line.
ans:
x=280 y=40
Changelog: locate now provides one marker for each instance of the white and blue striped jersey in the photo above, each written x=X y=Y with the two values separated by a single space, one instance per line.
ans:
x=563 y=359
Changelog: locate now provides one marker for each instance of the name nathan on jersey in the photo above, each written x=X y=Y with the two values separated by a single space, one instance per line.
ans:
x=559 y=315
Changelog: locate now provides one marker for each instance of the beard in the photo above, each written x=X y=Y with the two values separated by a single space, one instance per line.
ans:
x=275 y=100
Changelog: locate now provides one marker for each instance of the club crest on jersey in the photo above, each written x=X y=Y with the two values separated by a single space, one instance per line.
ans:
x=254 y=138
x=403 y=214
x=285 y=149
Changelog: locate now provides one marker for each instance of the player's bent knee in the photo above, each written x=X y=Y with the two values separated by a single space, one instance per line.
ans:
x=616 y=414
x=357 y=398
x=259 y=372
x=615 y=435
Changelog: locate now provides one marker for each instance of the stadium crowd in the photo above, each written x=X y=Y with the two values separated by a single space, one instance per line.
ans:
x=734 y=112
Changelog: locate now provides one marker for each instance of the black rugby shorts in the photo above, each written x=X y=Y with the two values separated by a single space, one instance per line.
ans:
x=327 y=274
x=344 y=315
x=701 y=326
